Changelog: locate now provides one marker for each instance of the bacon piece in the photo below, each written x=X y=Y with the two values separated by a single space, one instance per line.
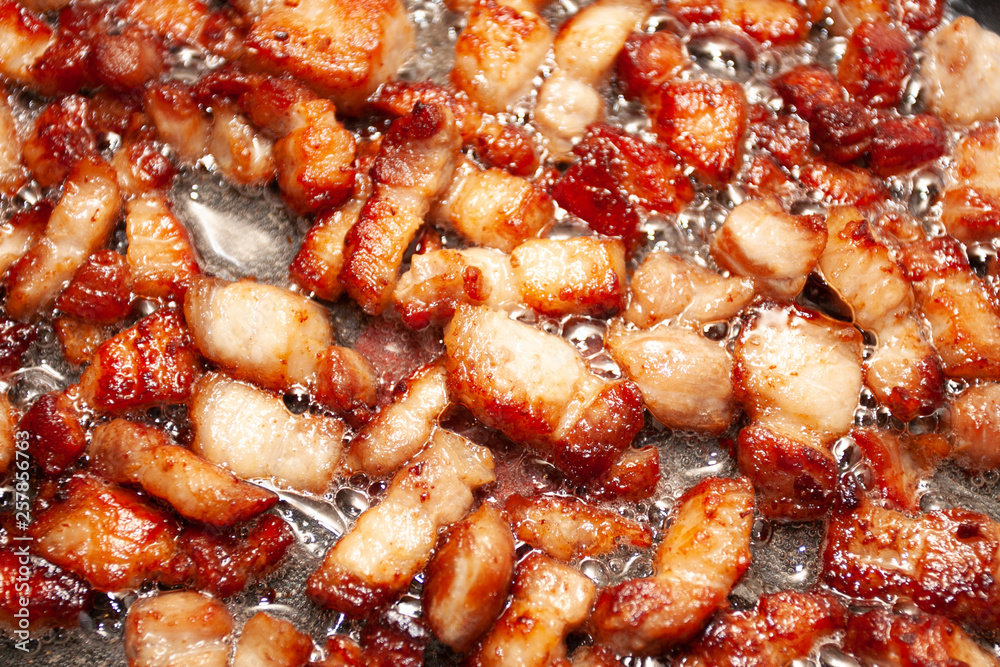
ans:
x=402 y=428
x=179 y=121
x=160 y=254
x=807 y=89
x=67 y=65
x=921 y=15
x=846 y=14
x=899 y=463
x=944 y=561
x=970 y=206
x=107 y=535
x=241 y=152
x=79 y=339
x=549 y=601
x=345 y=382
x=80 y=224
x=848 y=186
x=150 y=363
x=704 y=552
x=59 y=139
x=467 y=581
x=568 y=528
x=773 y=22
x=8 y=427
x=875 y=64
x=178 y=628
x=24 y=37
x=342 y=651
x=271 y=642
x=973 y=426
x=414 y=165
x=905 y=372
x=12 y=174
x=649 y=61
x=498 y=53
x=781 y=627
x=777 y=249
x=633 y=476
x=375 y=561
x=53 y=431
x=537 y=390
x=130 y=453
x=594 y=656
x=252 y=433
x=128 y=60
x=884 y=638
x=101 y=291
x=959 y=62
x=665 y=287
x=21 y=231
x=15 y=340
x=142 y=168
x=38 y=592
x=903 y=144
x=177 y=20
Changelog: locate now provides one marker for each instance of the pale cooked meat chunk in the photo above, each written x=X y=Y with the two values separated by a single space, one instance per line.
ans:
x=685 y=379
x=108 y=535
x=392 y=542
x=415 y=164
x=944 y=561
x=965 y=326
x=568 y=528
x=576 y=276
x=467 y=581
x=973 y=426
x=666 y=286
x=79 y=339
x=759 y=240
x=703 y=554
x=241 y=152
x=970 y=208
x=12 y=173
x=846 y=14
x=566 y=107
x=131 y=453
x=924 y=639
x=905 y=373
x=862 y=271
x=150 y=363
x=536 y=388
x=498 y=54
x=256 y=332
x=439 y=280
x=80 y=224
x=179 y=120
x=8 y=425
x=252 y=433
x=20 y=232
x=23 y=39
x=402 y=428
x=781 y=627
x=494 y=208
x=342 y=48
x=549 y=600
x=345 y=382
x=960 y=65
x=160 y=254
x=178 y=629
x=180 y=20
x=267 y=641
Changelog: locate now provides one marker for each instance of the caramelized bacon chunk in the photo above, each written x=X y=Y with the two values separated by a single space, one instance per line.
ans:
x=160 y=254
x=898 y=463
x=632 y=476
x=53 y=431
x=59 y=139
x=467 y=581
x=704 y=552
x=905 y=373
x=959 y=64
x=776 y=22
x=971 y=207
x=101 y=291
x=251 y=432
x=39 y=592
x=142 y=168
x=875 y=64
x=150 y=363
x=536 y=388
x=391 y=542
x=131 y=453
x=178 y=628
x=241 y=152
x=20 y=232
x=549 y=600
x=267 y=641
x=178 y=119
x=885 y=638
x=25 y=37
x=649 y=61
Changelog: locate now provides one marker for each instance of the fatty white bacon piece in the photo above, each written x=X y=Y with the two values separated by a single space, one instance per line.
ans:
x=12 y=173
x=494 y=208
x=685 y=379
x=271 y=642
x=960 y=65
x=80 y=224
x=142 y=167
x=585 y=50
x=703 y=554
x=439 y=280
x=109 y=536
x=970 y=208
x=498 y=53
x=20 y=233
x=535 y=388
x=945 y=561
x=160 y=254
x=242 y=153
x=251 y=432
x=568 y=528
x=665 y=287
x=797 y=374
x=924 y=639
x=256 y=332
x=130 y=453
x=178 y=629
x=179 y=120
x=414 y=165
x=549 y=601
x=402 y=428
x=973 y=426
x=467 y=581
x=777 y=249
x=905 y=373
x=781 y=627
x=8 y=426
x=343 y=49
x=24 y=37
x=391 y=542
x=965 y=325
